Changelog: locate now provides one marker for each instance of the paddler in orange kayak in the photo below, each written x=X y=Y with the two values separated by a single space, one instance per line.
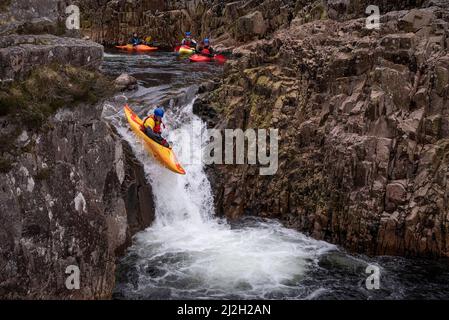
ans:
x=153 y=127
x=135 y=40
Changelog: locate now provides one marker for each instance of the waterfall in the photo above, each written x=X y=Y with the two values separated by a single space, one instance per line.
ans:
x=189 y=253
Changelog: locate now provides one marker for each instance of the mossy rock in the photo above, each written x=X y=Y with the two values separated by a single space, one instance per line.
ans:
x=263 y=81
x=50 y=88
x=30 y=103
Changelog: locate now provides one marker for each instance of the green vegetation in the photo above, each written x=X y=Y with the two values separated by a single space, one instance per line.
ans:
x=47 y=89
x=28 y=104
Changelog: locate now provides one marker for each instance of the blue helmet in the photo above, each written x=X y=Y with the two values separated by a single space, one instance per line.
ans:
x=159 y=112
x=206 y=40
x=188 y=34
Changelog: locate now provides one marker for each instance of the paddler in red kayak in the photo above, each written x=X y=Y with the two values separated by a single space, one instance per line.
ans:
x=205 y=49
x=188 y=41
x=153 y=127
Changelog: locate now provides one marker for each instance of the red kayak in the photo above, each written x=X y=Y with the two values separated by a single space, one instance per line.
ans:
x=202 y=58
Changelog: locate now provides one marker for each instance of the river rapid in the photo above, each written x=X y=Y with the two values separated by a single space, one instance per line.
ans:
x=188 y=253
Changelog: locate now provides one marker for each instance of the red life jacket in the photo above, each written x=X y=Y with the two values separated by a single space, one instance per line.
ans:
x=205 y=51
x=157 y=124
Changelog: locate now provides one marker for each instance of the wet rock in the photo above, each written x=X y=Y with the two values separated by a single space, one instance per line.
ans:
x=362 y=119
x=20 y=54
x=75 y=196
x=125 y=82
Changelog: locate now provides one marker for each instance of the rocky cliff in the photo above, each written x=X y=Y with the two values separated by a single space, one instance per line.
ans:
x=74 y=196
x=228 y=22
x=72 y=193
x=33 y=16
x=363 y=120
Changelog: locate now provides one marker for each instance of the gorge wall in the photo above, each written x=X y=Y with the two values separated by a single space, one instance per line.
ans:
x=228 y=22
x=71 y=191
x=74 y=196
x=364 y=130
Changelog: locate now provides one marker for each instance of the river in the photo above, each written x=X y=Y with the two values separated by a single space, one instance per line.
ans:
x=188 y=253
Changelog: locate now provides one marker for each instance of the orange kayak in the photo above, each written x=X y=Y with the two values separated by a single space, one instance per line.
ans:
x=164 y=155
x=138 y=48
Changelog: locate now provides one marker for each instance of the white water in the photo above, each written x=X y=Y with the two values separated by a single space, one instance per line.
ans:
x=188 y=253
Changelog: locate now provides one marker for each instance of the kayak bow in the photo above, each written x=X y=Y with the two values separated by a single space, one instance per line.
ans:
x=200 y=58
x=185 y=50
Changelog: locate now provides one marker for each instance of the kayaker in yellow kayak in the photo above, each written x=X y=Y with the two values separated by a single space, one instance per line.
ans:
x=188 y=41
x=135 y=40
x=153 y=127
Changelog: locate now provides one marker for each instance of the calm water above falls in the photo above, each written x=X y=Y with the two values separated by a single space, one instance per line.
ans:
x=189 y=254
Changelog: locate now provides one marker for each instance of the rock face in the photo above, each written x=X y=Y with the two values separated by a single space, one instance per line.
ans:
x=33 y=16
x=226 y=22
x=72 y=194
x=19 y=54
x=363 y=117
x=74 y=197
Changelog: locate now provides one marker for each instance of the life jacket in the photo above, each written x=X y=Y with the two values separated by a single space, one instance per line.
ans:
x=155 y=125
x=135 y=41
x=187 y=42
x=205 y=51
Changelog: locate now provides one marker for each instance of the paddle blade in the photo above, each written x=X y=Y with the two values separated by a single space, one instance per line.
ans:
x=177 y=48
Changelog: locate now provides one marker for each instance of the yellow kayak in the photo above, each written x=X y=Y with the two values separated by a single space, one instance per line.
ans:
x=162 y=154
x=184 y=50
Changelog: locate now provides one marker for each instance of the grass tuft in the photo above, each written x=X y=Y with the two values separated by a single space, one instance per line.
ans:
x=30 y=103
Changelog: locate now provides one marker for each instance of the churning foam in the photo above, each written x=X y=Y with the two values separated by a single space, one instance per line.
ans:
x=188 y=253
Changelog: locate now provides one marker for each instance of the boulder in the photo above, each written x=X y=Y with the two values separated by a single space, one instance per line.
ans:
x=395 y=195
x=249 y=26
x=125 y=82
x=416 y=19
